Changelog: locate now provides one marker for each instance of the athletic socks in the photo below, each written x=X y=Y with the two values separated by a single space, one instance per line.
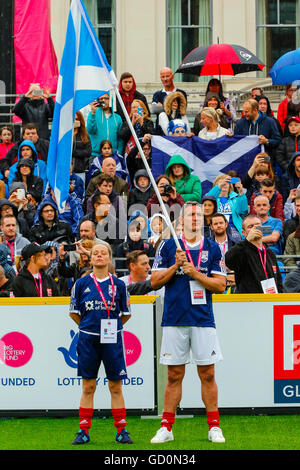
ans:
x=119 y=415
x=167 y=420
x=85 y=418
x=212 y=418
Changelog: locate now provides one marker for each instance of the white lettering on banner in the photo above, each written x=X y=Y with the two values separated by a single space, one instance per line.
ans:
x=291 y=391
x=114 y=460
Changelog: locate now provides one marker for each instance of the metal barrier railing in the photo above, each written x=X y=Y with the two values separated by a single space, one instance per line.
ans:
x=195 y=99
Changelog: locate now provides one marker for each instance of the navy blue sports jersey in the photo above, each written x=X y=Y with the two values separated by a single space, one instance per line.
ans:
x=178 y=307
x=86 y=302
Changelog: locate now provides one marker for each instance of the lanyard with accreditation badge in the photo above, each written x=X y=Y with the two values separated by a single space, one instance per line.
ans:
x=38 y=286
x=108 y=327
x=197 y=291
x=268 y=285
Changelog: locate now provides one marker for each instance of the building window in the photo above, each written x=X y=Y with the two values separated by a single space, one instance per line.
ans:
x=102 y=16
x=278 y=29
x=188 y=26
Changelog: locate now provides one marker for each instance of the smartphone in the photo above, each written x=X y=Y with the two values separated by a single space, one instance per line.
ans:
x=72 y=247
x=20 y=194
x=234 y=180
x=267 y=159
x=140 y=111
x=265 y=229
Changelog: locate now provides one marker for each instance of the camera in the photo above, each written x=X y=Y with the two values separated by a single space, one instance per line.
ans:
x=168 y=188
x=99 y=102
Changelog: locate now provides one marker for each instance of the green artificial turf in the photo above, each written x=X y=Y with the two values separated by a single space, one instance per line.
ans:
x=241 y=433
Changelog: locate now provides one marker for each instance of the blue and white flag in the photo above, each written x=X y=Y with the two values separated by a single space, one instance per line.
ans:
x=84 y=76
x=207 y=159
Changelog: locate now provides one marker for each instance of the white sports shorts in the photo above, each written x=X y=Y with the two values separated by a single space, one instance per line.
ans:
x=184 y=344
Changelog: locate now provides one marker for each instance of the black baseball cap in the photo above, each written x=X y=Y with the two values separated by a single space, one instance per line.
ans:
x=33 y=249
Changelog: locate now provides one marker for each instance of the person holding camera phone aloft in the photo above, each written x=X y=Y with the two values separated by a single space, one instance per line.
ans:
x=32 y=108
x=169 y=195
x=73 y=270
x=104 y=124
x=233 y=204
x=272 y=227
x=141 y=122
x=254 y=264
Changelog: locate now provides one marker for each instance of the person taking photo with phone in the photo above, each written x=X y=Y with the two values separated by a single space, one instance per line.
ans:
x=254 y=264
x=233 y=204
x=36 y=106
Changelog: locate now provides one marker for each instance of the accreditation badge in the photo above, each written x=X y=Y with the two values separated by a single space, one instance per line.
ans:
x=108 y=331
x=198 y=294
x=269 y=286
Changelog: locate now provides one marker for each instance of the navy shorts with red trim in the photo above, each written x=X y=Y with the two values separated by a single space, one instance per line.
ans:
x=91 y=353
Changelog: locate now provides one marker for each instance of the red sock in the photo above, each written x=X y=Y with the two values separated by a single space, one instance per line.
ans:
x=119 y=415
x=212 y=418
x=85 y=418
x=167 y=420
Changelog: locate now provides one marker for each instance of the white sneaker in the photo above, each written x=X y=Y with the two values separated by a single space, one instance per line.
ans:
x=162 y=435
x=215 y=435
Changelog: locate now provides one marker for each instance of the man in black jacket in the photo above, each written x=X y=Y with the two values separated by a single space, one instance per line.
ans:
x=49 y=227
x=32 y=107
x=255 y=266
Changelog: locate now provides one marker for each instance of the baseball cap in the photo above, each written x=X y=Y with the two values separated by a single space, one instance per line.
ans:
x=32 y=249
x=293 y=118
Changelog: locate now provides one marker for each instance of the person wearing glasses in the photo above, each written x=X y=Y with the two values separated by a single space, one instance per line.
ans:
x=49 y=227
x=177 y=128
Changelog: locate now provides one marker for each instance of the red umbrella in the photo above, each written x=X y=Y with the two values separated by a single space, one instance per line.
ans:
x=220 y=59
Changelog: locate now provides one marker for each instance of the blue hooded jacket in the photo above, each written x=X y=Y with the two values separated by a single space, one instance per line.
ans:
x=40 y=168
x=264 y=125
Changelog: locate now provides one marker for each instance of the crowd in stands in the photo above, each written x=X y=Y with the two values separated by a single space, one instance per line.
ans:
x=43 y=250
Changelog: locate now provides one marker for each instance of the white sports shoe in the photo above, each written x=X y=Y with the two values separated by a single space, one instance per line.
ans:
x=215 y=435
x=162 y=435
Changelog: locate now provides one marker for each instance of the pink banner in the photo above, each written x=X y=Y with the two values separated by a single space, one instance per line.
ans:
x=35 y=58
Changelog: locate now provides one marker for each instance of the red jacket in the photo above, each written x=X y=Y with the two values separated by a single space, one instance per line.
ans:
x=4 y=148
x=282 y=112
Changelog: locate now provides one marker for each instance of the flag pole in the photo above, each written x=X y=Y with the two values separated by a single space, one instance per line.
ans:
x=161 y=202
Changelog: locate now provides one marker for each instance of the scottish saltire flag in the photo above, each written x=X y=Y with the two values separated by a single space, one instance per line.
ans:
x=207 y=159
x=84 y=75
